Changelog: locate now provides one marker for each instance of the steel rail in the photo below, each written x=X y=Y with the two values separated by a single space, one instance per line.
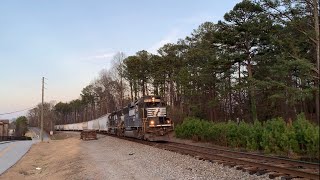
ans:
x=236 y=160
x=269 y=163
x=259 y=156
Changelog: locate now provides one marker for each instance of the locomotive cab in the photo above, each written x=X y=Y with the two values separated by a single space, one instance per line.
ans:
x=154 y=112
x=156 y=124
x=146 y=118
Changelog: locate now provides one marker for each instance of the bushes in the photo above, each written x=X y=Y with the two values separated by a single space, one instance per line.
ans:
x=307 y=136
x=277 y=137
x=255 y=136
x=187 y=129
x=273 y=136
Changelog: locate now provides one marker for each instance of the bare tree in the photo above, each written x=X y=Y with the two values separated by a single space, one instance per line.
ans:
x=117 y=72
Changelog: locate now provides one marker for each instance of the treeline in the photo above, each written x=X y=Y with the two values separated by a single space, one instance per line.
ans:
x=261 y=61
x=49 y=116
x=21 y=126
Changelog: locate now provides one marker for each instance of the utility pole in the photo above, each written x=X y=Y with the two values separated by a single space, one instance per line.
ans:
x=41 y=131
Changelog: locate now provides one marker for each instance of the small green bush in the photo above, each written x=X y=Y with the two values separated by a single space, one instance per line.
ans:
x=243 y=134
x=231 y=132
x=216 y=134
x=255 y=136
x=273 y=133
x=307 y=136
x=189 y=128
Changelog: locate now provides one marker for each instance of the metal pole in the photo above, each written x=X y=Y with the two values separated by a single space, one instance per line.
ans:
x=41 y=131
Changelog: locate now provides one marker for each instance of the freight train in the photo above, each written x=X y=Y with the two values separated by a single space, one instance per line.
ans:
x=145 y=118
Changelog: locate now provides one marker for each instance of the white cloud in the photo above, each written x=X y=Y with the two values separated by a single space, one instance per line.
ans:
x=172 y=37
x=199 y=18
x=101 y=56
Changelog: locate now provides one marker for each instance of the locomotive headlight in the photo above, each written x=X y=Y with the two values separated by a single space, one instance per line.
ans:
x=151 y=122
x=168 y=121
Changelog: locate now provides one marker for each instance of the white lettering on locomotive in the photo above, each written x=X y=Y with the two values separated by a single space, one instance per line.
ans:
x=156 y=112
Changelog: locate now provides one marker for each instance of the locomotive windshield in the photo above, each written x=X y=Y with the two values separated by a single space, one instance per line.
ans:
x=155 y=104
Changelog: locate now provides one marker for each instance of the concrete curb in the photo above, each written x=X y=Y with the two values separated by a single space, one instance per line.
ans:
x=3 y=142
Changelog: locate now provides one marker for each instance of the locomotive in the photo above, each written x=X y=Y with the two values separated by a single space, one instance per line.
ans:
x=145 y=118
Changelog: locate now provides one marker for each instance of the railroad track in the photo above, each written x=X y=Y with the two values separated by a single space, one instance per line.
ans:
x=252 y=163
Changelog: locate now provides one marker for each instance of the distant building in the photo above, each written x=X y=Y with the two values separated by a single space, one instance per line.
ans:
x=4 y=127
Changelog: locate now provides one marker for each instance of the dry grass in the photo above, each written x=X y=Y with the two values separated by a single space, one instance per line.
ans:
x=65 y=135
x=57 y=160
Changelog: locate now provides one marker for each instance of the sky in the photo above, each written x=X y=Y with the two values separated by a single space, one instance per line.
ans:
x=70 y=42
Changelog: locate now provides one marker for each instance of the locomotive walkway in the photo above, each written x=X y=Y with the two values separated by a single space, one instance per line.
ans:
x=13 y=151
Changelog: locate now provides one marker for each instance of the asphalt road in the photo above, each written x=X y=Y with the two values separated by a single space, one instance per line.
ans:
x=12 y=151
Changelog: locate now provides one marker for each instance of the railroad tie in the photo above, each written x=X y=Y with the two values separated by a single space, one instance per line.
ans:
x=275 y=174
x=252 y=170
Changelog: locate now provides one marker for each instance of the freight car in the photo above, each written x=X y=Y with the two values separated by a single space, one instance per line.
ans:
x=146 y=118
x=99 y=124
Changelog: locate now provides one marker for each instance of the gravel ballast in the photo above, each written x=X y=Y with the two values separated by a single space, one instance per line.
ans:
x=70 y=158
x=113 y=158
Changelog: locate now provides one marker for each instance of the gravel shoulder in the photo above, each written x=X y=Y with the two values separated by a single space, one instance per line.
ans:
x=112 y=158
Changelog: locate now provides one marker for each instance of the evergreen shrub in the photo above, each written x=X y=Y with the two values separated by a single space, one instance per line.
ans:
x=273 y=136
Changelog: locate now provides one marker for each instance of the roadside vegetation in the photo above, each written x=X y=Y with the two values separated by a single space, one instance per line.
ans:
x=21 y=126
x=273 y=136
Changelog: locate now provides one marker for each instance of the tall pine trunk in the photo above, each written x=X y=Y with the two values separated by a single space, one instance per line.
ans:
x=230 y=98
x=252 y=93
x=317 y=84
x=131 y=90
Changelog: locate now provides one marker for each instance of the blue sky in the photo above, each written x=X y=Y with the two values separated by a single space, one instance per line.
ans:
x=69 y=42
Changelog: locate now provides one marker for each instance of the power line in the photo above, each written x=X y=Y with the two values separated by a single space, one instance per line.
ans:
x=17 y=111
